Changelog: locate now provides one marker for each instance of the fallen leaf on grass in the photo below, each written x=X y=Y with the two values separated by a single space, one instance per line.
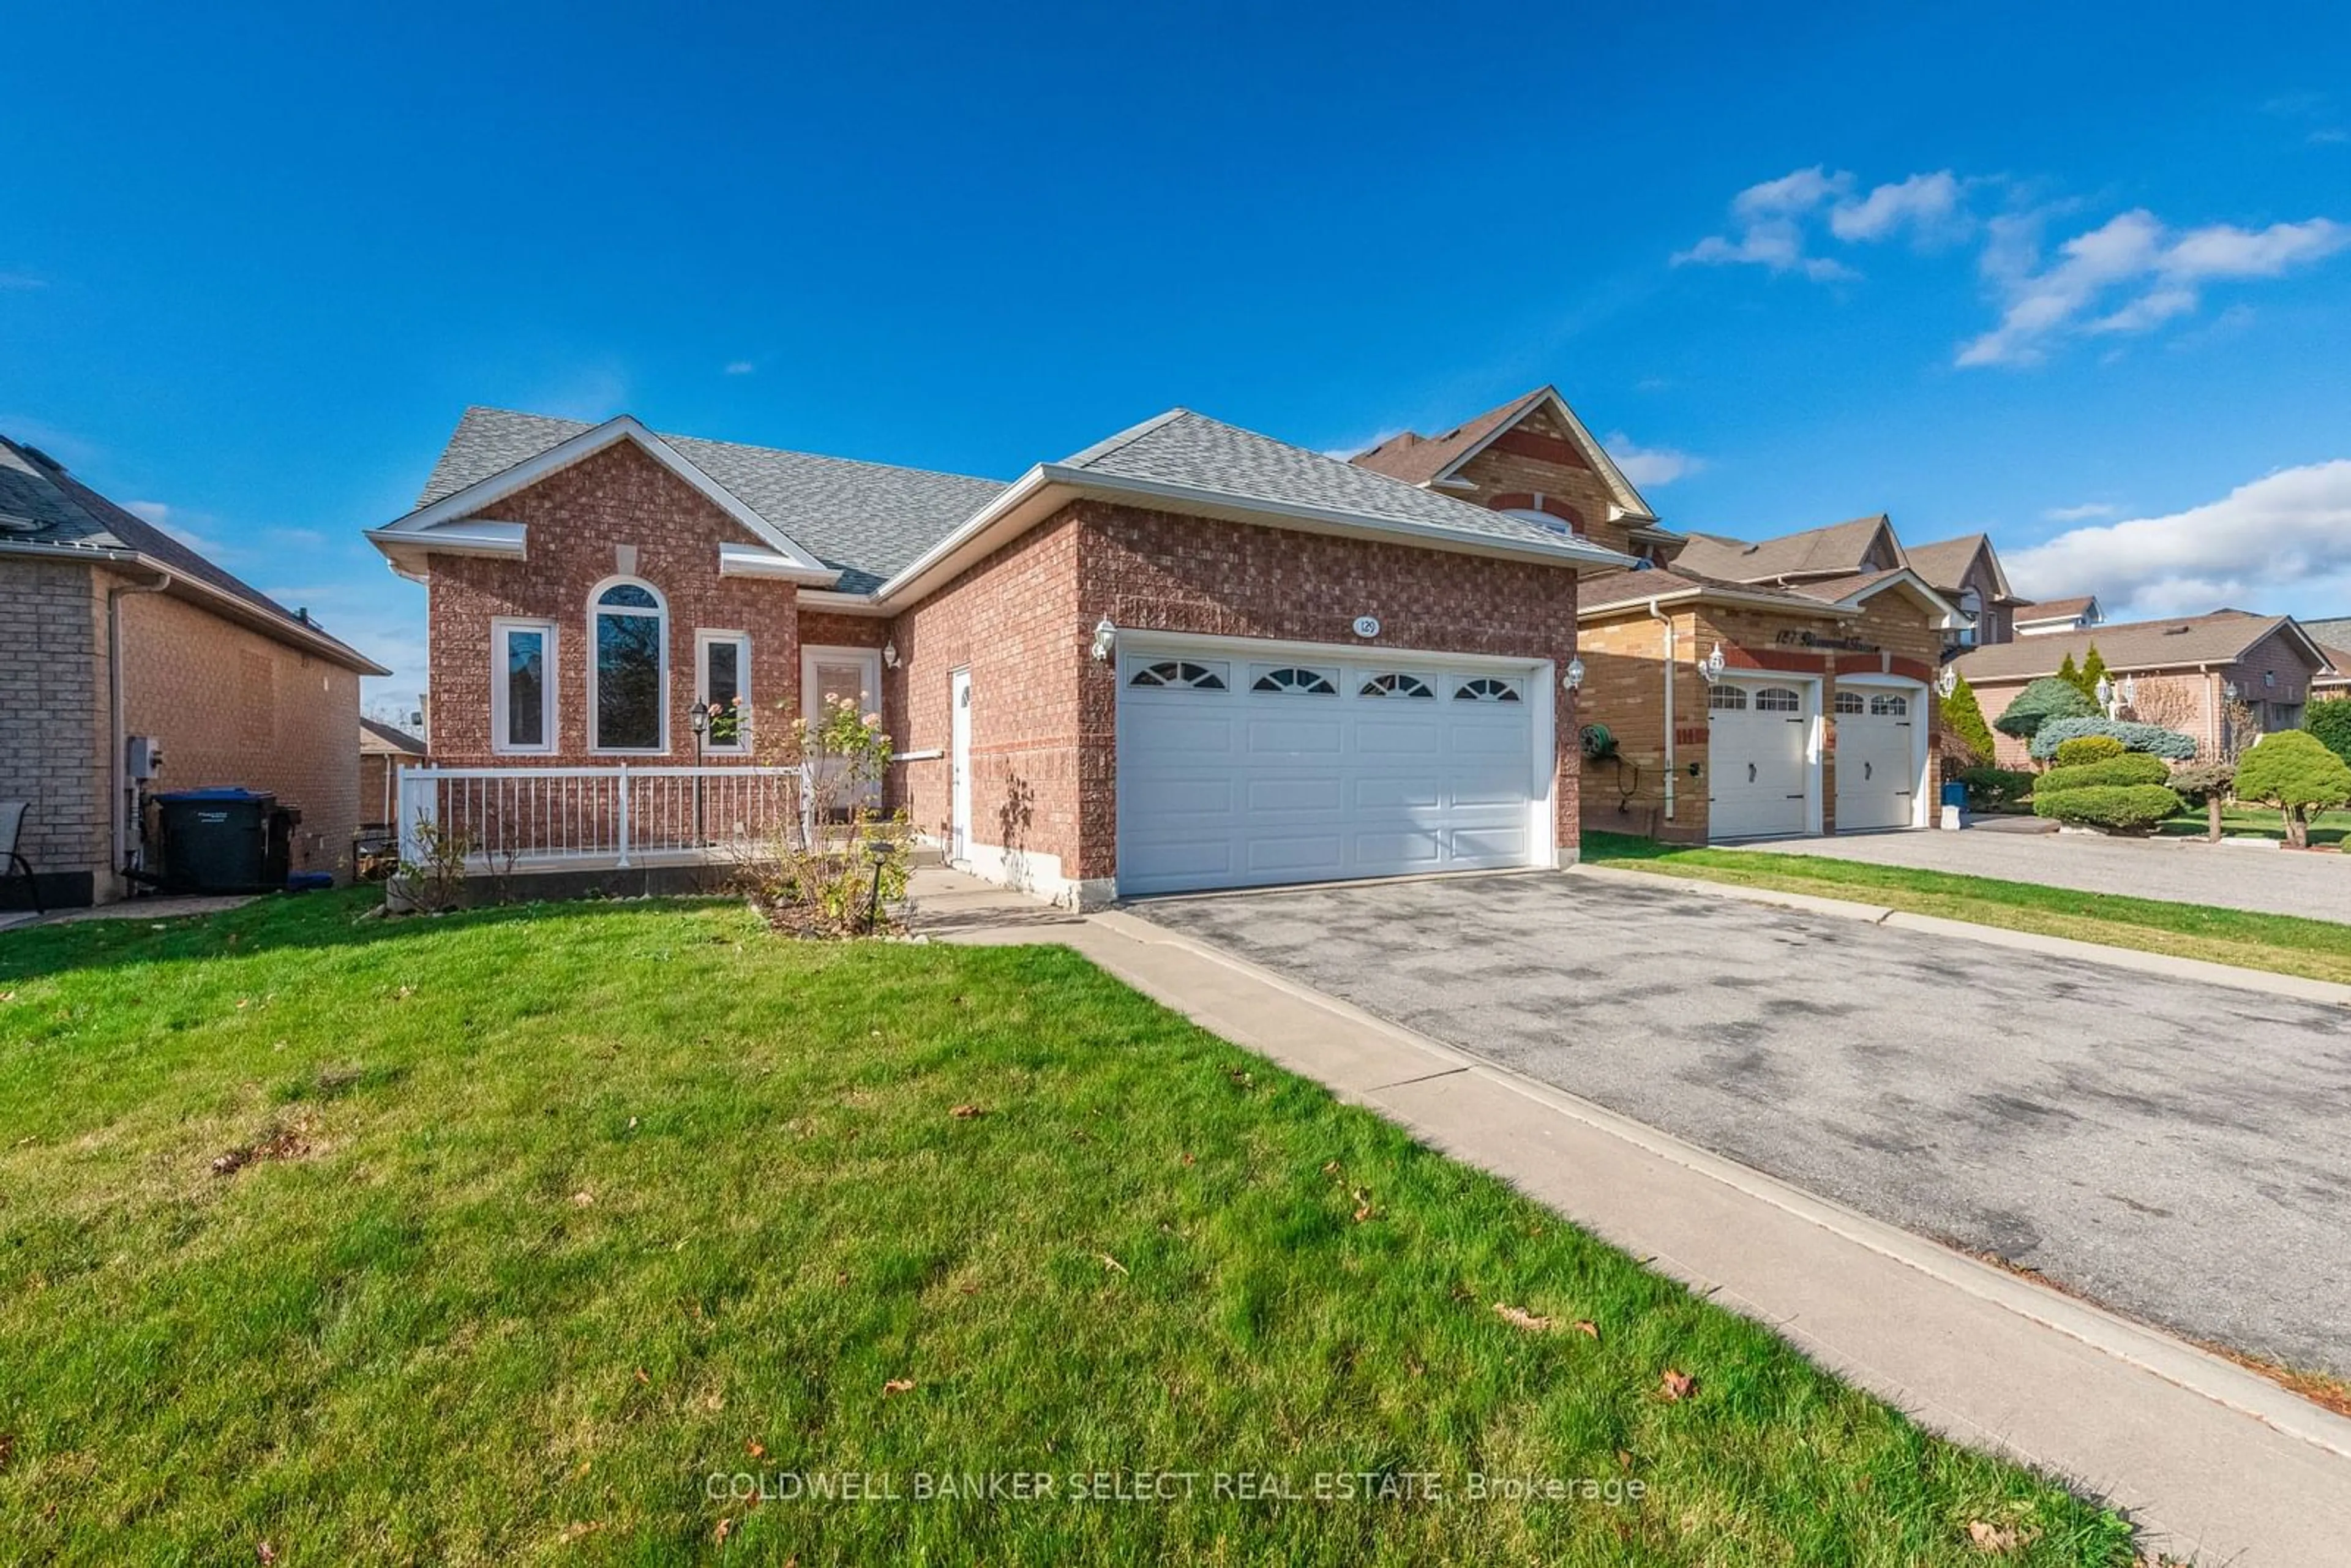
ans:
x=1331 y=1167
x=1519 y=1318
x=725 y=1528
x=899 y=1386
x=1189 y=1160
x=1240 y=1077
x=265 y=1551
x=642 y=1378
x=1624 y=1459
x=1362 y=1204
x=578 y=1530
x=7 y=1448
x=1998 y=1538
x=756 y=1449
x=7 y=996
x=965 y=1113
x=1676 y=1385
x=584 y=1198
x=1586 y=1327
x=1110 y=1262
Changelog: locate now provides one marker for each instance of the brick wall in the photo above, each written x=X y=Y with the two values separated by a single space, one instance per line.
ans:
x=234 y=707
x=1536 y=458
x=53 y=731
x=577 y=519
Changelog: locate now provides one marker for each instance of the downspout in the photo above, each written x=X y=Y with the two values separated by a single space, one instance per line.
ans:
x=1668 y=623
x=119 y=823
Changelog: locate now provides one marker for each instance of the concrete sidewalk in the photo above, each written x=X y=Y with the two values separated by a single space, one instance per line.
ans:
x=2211 y=1461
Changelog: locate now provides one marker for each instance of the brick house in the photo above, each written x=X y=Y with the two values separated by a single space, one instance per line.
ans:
x=1189 y=656
x=1966 y=571
x=1817 y=717
x=384 y=752
x=109 y=629
x=2226 y=679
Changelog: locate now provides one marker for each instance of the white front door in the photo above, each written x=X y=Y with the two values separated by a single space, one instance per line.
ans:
x=959 y=766
x=1239 y=767
x=836 y=675
x=1876 y=758
x=1758 y=759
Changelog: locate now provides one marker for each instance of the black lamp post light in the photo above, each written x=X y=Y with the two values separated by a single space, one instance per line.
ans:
x=881 y=849
x=698 y=721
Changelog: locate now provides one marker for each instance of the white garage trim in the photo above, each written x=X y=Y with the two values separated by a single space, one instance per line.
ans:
x=1527 y=802
x=1922 y=804
x=1816 y=735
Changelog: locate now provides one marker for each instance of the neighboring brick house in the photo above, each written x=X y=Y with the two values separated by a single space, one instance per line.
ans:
x=1816 y=718
x=1968 y=574
x=384 y=752
x=2226 y=679
x=111 y=628
x=1190 y=656
x=2332 y=636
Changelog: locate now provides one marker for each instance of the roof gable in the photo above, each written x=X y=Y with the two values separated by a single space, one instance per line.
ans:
x=1946 y=563
x=1840 y=550
x=1431 y=460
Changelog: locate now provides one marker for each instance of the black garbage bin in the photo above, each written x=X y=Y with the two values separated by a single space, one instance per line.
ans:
x=223 y=841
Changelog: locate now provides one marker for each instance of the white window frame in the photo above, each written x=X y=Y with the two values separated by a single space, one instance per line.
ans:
x=705 y=638
x=813 y=654
x=661 y=611
x=501 y=626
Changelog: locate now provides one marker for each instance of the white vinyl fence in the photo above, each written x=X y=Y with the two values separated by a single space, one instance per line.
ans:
x=525 y=816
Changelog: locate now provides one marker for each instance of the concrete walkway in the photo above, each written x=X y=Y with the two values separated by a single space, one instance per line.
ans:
x=2180 y=871
x=2211 y=1461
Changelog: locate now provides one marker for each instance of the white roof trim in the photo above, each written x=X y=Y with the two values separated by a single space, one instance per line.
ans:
x=475 y=537
x=460 y=504
x=750 y=560
x=1723 y=596
x=833 y=603
x=1602 y=463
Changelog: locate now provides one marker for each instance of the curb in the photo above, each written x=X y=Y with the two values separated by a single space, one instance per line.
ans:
x=2324 y=993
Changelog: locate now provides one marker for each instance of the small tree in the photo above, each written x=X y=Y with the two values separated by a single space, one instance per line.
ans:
x=2329 y=719
x=2071 y=674
x=2094 y=670
x=2209 y=782
x=1963 y=716
x=2292 y=771
x=2051 y=696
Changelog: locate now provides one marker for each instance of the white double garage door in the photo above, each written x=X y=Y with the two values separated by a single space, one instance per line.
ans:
x=1244 y=764
x=1764 y=749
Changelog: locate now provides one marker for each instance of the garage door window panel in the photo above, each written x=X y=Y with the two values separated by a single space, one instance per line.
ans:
x=1180 y=674
x=1850 y=701
x=1778 y=699
x=1396 y=685
x=1295 y=680
x=1727 y=699
x=1486 y=689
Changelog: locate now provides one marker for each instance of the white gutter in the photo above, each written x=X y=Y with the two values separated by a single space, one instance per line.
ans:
x=1668 y=623
x=119 y=824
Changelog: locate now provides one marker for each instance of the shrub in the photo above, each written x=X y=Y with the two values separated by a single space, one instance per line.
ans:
x=2094 y=670
x=1996 y=789
x=2152 y=738
x=2088 y=748
x=2293 y=771
x=2045 y=699
x=2329 y=719
x=2117 y=772
x=2118 y=807
x=2207 y=784
x=1963 y=716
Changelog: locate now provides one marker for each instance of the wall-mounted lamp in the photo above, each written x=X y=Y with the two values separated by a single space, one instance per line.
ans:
x=1711 y=665
x=1948 y=682
x=1574 y=678
x=1105 y=639
x=2229 y=690
x=2130 y=691
x=890 y=655
x=2105 y=692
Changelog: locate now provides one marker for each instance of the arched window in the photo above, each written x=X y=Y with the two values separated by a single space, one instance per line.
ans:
x=1849 y=702
x=629 y=668
x=1778 y=699
x=1486 y=689
x=1727 y=699
x=1296 y=680
x=1180 y=674
x=1394 y=686
x=1890 y=707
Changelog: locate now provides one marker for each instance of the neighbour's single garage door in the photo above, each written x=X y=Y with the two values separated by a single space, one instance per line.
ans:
x=1759 y=760
x=1877 y=760
x=1236 y=769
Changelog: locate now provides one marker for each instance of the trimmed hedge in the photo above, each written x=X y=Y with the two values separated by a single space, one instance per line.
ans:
x=2043 y=703
x=2130 y=769
x=1996 y=789
x=2329 y=719
x=2151 y=738
x=2088 y=748
x=1963 y=716
x=2123 y=808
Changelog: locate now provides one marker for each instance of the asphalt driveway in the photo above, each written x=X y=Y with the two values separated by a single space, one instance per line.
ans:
x=2180 y=1151
x=2268 y=881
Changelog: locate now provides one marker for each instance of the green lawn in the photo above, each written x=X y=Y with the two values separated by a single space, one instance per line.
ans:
x=2259 y=821
x=535 y=1220
x=2284 y=943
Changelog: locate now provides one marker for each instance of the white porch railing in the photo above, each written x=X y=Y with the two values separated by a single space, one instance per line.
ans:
x=525 y=816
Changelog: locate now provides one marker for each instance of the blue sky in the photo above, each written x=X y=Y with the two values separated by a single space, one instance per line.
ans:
x=2046 y=271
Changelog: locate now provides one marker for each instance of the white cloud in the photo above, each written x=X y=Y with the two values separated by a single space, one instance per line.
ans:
x=740 y=367
x=1650 y=465
x=2157 y=272
x=2082 y=513
x=2281 y=542
x=1348 y=450
x=1929 y=205
x=1768 y=221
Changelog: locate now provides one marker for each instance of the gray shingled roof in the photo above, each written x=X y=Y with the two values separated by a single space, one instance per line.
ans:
x=2218 y=639
x=866 y=521
x=63 y=511
x=1181 y=447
